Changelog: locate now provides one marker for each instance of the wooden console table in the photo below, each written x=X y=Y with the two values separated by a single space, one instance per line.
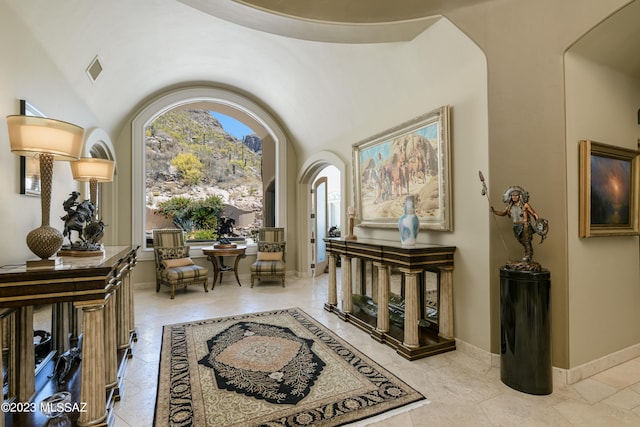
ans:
x=101 y=287
x=412 y=341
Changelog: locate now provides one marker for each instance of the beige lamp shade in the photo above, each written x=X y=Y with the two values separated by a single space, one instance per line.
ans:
x=31 y=136
x=50 y=140
x=90 y=168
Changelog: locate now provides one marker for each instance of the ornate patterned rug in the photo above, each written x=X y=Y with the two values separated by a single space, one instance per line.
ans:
x=277 y=368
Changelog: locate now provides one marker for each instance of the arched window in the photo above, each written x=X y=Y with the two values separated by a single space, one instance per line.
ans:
x=208 y=98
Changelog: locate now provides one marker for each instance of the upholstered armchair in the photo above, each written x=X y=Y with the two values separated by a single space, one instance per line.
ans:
x=174 y=268
x=270 y=262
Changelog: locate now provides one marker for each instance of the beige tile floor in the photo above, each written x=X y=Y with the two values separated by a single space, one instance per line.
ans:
x=462 y=391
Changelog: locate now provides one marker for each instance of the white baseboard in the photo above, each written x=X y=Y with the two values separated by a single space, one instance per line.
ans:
x=560 y=376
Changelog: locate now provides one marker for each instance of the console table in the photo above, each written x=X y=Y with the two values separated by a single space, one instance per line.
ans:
x=412 y=341
x=99 y=286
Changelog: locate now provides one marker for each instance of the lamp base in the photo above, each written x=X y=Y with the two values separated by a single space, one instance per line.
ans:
x=43 y=263
x=44 y=241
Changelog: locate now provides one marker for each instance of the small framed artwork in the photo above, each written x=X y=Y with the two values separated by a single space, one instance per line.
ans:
x=410 y=159
x=608 y=190
x=29 y=166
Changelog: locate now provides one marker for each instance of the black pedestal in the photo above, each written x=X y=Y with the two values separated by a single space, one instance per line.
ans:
x=525 y=330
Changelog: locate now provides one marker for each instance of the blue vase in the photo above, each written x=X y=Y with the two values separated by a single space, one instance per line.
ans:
x=408 y=224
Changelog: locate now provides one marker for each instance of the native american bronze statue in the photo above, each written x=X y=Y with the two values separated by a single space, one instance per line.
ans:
x=526 y=222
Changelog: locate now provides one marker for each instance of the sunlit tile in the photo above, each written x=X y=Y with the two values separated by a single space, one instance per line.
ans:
x=594 y=391
x=625 y=399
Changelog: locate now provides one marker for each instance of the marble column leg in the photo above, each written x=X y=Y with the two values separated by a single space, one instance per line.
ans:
x=445 y=303
x=133 y=260
x=2 y=331
x=382 y=297
x=13 y=357
x=333 y=287
x=74 y=326
x=122 y=314
x=110 y=348
x=360 y=285
x=27 y=362
x=375 y=279
x=92 y=382
x=411 y=308
x=347 y=287
x=60 y=329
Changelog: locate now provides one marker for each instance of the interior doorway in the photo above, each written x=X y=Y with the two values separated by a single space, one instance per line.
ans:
x=325 y=215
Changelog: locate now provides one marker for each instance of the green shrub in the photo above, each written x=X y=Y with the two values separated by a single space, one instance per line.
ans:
x=199 y=216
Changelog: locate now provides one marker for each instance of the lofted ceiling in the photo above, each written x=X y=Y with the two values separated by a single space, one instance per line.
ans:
x=311 y=63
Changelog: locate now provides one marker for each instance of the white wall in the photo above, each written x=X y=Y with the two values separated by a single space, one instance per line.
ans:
x=604 y=281
x=28 y=73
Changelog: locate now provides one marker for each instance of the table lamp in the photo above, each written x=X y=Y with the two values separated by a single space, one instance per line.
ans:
x=49 y=140
x=93 y=170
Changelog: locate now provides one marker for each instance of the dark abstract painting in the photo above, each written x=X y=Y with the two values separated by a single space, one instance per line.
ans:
x=610 y=191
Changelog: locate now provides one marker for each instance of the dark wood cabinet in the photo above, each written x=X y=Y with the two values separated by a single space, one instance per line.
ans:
x=422 y=330
x=100 y=288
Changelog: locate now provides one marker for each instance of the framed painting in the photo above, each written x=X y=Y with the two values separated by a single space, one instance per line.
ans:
x=29 y=166
x=410 y=159
x=608 y=190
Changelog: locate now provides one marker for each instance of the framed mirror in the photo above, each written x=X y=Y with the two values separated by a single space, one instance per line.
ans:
x=29 y=166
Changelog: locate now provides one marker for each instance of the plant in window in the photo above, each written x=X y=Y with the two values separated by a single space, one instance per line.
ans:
x=189 y=166
x=199 y=218
x=206 y=213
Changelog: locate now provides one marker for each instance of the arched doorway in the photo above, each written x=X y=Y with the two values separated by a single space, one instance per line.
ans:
x=312 y=173
x=325 y=218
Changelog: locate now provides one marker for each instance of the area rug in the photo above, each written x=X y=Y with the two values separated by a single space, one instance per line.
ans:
x=277 y=368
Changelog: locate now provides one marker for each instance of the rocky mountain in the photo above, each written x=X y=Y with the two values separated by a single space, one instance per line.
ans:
x=189 y=154
x=253 y=142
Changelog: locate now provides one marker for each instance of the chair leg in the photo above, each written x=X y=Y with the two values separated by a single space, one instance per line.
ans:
x=173 y=291
x=252 y=278
x=206 y=282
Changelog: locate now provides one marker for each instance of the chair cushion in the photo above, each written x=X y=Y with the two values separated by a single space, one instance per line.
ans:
x=268 y=267
x=177 y=262
x=175 y=252
x=270 y=246
x=185 y=272
x=269 y=256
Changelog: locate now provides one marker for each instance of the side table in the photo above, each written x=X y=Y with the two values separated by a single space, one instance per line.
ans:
x=215 y=255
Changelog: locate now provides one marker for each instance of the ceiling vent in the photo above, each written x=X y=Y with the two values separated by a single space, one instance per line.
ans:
x=94 y=69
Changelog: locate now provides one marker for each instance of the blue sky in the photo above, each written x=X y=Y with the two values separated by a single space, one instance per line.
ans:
x=232 y=126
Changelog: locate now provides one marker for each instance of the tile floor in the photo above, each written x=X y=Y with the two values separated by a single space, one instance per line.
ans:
x=462 y=391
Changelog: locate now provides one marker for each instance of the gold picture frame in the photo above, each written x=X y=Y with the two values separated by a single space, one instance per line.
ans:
x=412 y=158
x=608 y=190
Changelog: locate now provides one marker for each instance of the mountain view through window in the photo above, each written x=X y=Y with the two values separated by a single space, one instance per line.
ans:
x=196 y=172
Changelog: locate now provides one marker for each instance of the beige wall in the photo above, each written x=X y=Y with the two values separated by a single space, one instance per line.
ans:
x=451 y=70
x=604 y=280
x=525 y=42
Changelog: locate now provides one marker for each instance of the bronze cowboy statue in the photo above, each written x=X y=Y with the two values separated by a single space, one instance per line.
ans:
x=78 y=216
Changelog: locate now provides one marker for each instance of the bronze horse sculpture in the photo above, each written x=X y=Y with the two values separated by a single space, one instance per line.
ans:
x=76 y=220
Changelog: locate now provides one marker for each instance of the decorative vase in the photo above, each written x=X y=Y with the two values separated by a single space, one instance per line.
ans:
x=408 y=224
